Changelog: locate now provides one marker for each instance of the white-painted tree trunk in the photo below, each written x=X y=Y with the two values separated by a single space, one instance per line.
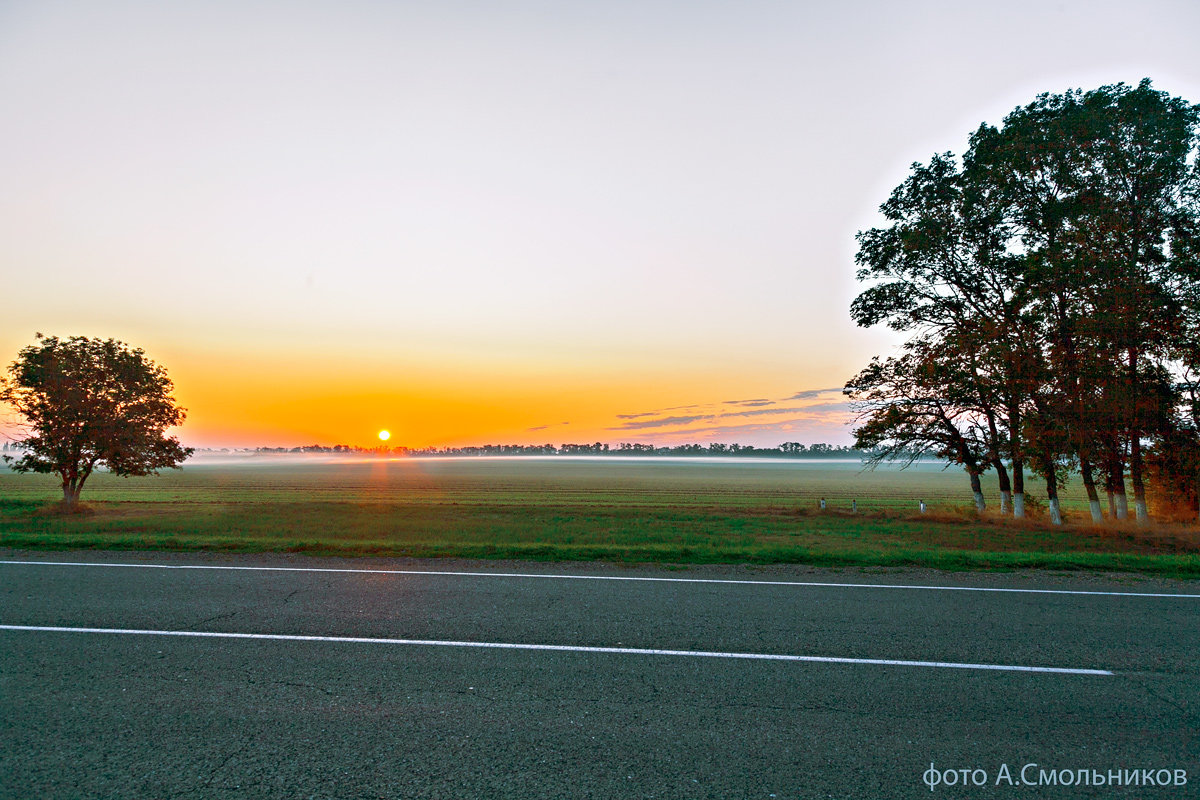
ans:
x=1055 y=514
x=1019 y=504
x=1143 y=514
x=980 y=504
x=1097 y=514
x=1122 y=506
x=1005 y=502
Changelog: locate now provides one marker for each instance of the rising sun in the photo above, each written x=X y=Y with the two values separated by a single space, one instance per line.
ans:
x=385 y=435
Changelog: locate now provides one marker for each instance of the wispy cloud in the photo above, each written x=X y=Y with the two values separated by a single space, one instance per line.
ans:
x=545 y=427
x=758 y=401
x=661 y=422
x=656 y=412
x=837 y=407
x=808 y=394
x=721 y=420
x=761 y=411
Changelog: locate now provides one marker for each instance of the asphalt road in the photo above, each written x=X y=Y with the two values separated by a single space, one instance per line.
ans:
x=144 y=714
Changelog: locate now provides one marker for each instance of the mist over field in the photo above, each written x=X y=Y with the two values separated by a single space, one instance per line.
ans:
x=252 y=458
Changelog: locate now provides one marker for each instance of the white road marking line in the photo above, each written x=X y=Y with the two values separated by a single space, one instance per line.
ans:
x=607 y=578
x=565 y=648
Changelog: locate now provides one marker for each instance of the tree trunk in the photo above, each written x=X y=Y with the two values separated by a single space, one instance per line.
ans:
x=1135 y=444
x=1052 y=495
x=1005 y=487
x=977 y=490
x=1013 y=424
x=1055 y=513
x=1135 y=477
x=1018 y=488
x=72 y=485
x=71 y=490
x=1118 y=485
x=1113 y=466
x=1089 y=483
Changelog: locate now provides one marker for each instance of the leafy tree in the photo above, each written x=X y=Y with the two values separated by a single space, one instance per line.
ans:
x=907 y=408
x=90 y=403
x=942 y=270
x=1055 y=278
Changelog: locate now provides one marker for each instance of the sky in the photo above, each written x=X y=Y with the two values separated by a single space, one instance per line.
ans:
x=501 y=222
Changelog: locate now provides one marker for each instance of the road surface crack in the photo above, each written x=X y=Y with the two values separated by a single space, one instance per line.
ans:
x=1163 y=698
x=222 y=615
x=213 y=772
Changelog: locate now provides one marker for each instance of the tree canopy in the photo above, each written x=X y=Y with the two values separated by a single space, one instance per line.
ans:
x=1050 y=283
x=92 y=403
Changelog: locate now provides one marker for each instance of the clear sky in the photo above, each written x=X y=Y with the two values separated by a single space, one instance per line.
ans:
x=474 y=222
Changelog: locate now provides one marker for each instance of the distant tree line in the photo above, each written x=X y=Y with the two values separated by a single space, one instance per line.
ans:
x=785 y=450
x=1050 y=283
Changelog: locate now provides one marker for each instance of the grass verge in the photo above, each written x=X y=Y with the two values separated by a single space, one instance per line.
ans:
x=542 y=531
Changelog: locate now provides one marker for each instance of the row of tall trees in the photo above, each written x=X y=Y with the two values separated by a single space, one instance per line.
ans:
x=1049 y=281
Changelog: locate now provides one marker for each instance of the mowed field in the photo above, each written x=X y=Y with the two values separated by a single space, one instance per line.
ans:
x=650 y=510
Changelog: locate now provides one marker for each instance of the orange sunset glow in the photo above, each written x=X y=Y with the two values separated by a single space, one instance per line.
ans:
x=329 y=403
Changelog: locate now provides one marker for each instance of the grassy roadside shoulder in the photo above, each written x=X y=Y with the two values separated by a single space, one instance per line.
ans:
x=654 y=534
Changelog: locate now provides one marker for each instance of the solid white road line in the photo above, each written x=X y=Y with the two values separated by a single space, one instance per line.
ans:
x=606 y=578
x=637 y=651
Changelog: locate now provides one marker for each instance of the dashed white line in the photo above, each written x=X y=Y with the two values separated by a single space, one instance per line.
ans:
x=884 y=662
x=632 y=578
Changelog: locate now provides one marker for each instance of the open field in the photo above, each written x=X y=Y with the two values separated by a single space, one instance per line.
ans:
x=667 y=511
